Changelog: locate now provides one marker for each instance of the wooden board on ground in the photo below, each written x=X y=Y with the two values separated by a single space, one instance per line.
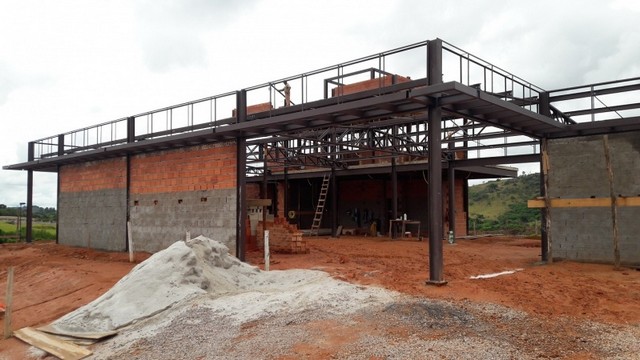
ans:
x=51 y=344
x=78 y=338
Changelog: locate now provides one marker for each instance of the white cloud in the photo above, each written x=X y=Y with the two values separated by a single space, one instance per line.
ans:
x=69 y=64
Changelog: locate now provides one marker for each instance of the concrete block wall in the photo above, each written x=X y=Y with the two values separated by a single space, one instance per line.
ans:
x=283 y=237
x=189 y=189
x=578 y=170
x=92 y=204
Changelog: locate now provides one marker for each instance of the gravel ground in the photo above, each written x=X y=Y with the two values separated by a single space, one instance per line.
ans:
x=401 y=328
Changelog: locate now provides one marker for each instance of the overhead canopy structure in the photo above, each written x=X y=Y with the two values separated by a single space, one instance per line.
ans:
x=429 y=100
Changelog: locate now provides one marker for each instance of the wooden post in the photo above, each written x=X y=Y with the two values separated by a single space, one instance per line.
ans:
x=267 y=255
x=547 y=199
x=614 y=202
x=130 y=241
x=9 y=304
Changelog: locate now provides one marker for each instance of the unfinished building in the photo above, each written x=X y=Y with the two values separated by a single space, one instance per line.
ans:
x=384 y=144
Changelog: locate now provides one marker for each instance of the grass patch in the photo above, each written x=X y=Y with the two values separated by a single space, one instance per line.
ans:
x=41 y=231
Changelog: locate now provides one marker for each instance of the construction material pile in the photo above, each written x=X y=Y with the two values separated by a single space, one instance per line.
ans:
x=202 y=267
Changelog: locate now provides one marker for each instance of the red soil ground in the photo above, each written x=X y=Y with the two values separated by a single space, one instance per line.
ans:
x=52 y=280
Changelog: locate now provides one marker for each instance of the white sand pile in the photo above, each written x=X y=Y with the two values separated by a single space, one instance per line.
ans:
x=183 y=270
x=204 y=269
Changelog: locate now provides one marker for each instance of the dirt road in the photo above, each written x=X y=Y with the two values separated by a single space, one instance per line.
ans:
x=52 y=280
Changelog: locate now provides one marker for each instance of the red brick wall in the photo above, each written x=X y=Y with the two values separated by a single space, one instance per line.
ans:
x=94 y=175
x=253 y=191
x=205 y=167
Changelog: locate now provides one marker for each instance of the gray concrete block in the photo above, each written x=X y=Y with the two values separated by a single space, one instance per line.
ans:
x=94 y=219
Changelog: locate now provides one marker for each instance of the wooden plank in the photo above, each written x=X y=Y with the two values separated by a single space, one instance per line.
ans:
x=621 y=201
x=8 y=304
x=52 y=345
x=81 y=335
x=258 y=202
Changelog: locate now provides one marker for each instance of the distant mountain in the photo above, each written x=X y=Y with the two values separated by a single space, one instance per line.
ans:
x=501 y=205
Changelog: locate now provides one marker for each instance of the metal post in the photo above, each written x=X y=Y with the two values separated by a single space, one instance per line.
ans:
x=544 y=109
x=285 y=196
x=131 y=129
x=60 y=145
x=334 y=202
x=264 y=191
x=434 y=71
x=394 y=194
x=241 y=163
x=29 y=206
x=451 y=175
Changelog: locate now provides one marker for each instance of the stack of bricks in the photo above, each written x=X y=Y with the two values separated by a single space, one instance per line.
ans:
x=283 y=237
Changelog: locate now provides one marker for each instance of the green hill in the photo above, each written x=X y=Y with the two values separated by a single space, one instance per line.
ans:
x=501 y=205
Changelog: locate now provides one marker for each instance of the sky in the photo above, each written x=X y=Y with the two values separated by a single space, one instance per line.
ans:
x=65 y=64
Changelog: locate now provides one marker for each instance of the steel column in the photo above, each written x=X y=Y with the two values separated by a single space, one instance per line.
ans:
x=334 y=202
x=434 y=71
x=131 y=129
x=264 y=190
x=285 y=196
x=29 y=206
x=451 y=176
x=30 y=156
x=544 y=109
x=241 y=162
x=394 y=193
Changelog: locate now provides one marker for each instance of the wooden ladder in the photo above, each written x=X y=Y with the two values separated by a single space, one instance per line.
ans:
x=317 y=218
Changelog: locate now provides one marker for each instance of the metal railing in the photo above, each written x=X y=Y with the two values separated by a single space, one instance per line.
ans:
x=600 y=101
x=409 y=62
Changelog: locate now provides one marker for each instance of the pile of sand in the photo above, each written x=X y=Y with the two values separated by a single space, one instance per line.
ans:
x=203 y=268
x=182 y=271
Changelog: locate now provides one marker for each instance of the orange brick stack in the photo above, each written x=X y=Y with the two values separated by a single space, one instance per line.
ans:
x=283 y=237
x=386 y=80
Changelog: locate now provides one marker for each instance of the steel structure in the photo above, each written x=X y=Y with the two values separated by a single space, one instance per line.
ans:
x=430 y=101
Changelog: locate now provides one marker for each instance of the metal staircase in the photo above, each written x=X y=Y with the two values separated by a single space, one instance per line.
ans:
x=317 y=218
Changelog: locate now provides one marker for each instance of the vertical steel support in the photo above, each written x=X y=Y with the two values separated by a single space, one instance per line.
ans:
x=544 y=109
x=451 y=176
x=131 y=129
x=264 y=189
x=30 y=157
x=58 y=204
x=29 y=206
x=241 y=164
x=334 y=202
x=434 y=71
x=394 y=194
x=285 y=196
x=128 y=241
x=60 y=145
